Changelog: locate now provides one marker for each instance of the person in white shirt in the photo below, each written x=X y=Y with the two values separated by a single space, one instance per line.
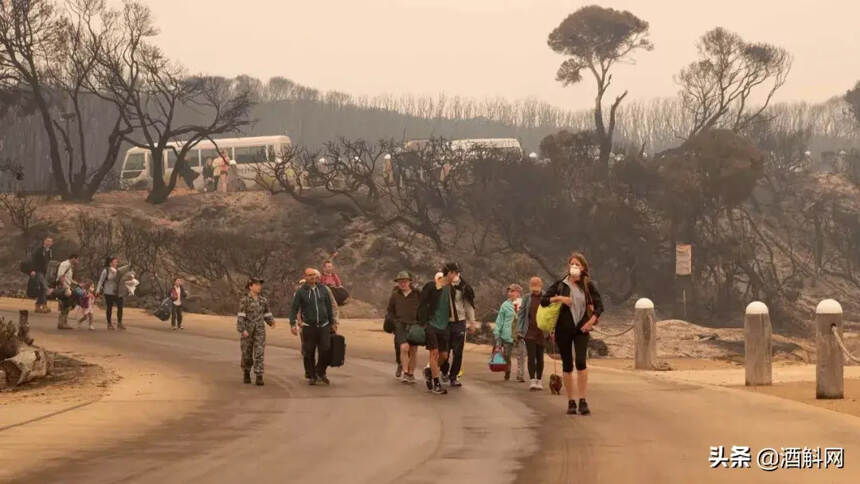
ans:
x=177 y=295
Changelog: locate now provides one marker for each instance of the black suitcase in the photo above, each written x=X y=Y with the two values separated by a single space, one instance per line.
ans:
x=338 y=350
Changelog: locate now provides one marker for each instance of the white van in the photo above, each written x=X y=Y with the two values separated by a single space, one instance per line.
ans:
x=248 y=153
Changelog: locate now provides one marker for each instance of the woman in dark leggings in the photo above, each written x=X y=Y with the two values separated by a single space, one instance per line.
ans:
x=109 y=286
x=581 y=307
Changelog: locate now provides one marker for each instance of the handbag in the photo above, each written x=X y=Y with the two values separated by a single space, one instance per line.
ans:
x=416 y=335
x=497 y=361
x=388 y=325
x=164 y=309
x=547 y=317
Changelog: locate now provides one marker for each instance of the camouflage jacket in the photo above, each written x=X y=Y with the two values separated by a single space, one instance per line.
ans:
x=253 y=311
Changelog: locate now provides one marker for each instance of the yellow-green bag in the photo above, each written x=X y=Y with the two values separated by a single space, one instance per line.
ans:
x=547 y=317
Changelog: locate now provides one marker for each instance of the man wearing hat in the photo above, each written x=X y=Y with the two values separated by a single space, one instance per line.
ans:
x=253 y=313
x=313 y=302
x=403 y=310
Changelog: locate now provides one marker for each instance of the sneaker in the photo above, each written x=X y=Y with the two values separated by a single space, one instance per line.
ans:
x=455 y=383
x=428 y=377
x=571 y=407
x=438 y=390
x=91 y=327
x=404 y=378
x=399 y=372
x=411 y=379
x=521 y=379
x=583 y=407
x=259 y=380
x=246 y=377
x=539 y=385
x=120 y=326
x=532 y=384
x=181 y=328
x=325 y=379
x=312 y=381
x=173 y=328
x=444 y=378
x=110 y=327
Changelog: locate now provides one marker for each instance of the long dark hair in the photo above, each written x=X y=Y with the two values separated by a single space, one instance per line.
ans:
x=108 y=260
x=468 y=291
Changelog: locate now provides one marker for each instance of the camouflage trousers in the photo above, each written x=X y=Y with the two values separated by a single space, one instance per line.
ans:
x=253 y=347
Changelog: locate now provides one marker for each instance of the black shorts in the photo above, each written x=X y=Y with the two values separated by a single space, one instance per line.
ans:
x=438 y=339
x=401 y=331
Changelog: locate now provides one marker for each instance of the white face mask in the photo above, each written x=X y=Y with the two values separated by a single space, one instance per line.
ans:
x=575 y=271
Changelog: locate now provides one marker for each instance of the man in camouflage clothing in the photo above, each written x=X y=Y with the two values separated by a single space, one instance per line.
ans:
x=253 y=312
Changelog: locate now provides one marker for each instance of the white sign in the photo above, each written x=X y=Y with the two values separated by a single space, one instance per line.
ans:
x=683 y=259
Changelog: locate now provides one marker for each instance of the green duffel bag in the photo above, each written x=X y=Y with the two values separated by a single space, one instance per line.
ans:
x=416 y=335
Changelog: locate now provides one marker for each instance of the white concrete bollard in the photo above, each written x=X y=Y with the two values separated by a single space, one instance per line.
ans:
x=758 y=345
x=829 y=382
x=644 y=335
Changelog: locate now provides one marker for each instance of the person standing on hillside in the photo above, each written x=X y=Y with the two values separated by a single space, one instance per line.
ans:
x=39 y=261
x=533 y=336
x=462 y=313
x=581 y=307
x=313 y=302
x=403 y=309
x=251 y=321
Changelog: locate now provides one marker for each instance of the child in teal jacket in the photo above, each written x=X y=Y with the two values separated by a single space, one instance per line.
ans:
x=505 y=321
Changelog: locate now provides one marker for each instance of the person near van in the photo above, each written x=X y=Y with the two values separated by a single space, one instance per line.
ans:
x=40 y=258
x=313 y=301
x=109 y=286
x=223 y=170
x=505 y=323
x=403 y=309
x=533 y=336
x=177 y=295
x=251 y=321
x=461 y=315
x=209 y=180
x=581 y=307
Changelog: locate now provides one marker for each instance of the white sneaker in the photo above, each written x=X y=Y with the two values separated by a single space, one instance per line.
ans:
x=532 y=384
x=92 y=328
x=539 y=385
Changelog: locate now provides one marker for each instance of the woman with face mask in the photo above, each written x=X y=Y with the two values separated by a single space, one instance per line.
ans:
x=581 y=308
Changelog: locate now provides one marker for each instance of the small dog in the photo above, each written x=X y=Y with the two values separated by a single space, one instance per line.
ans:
x=555 y=384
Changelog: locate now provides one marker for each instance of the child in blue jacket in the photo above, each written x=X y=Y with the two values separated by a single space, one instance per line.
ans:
x=505 y=322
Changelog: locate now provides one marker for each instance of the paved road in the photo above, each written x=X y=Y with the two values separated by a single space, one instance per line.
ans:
x=368 y=428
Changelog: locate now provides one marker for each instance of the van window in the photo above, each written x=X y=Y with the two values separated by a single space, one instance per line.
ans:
x=134 y=161
x=250 y=154
x=170 y=156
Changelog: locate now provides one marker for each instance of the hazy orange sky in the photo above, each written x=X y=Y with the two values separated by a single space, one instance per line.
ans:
x=491 y=47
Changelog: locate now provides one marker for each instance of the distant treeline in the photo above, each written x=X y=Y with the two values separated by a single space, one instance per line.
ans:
x=312 y=118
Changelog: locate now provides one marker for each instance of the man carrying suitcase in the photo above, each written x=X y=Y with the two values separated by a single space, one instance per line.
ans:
x=313 y=302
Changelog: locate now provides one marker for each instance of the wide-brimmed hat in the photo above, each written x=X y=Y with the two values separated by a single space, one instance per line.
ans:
x=403 y=276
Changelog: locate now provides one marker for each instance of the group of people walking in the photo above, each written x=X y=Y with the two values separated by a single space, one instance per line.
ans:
x=50 y=279
x=437 y=315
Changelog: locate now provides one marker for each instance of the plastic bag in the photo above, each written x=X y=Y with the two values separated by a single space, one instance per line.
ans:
x=547 y=317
